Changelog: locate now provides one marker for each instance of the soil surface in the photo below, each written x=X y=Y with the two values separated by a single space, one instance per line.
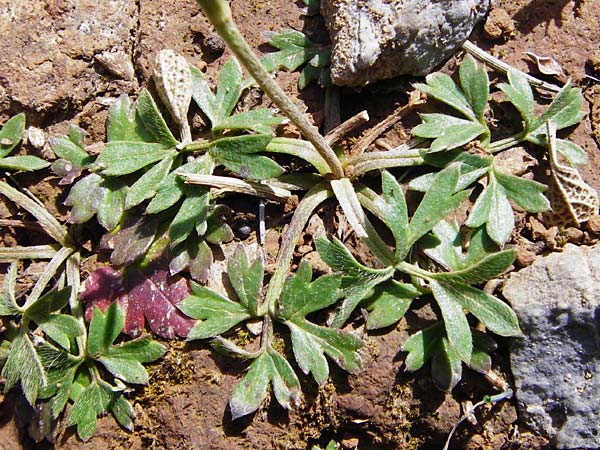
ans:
x=64 y=62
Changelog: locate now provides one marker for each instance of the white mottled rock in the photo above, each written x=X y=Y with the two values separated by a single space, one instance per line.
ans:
x=556 y=366
x=379 y=39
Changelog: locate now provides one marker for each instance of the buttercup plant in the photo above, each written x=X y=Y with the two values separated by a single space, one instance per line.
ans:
x=152 y=190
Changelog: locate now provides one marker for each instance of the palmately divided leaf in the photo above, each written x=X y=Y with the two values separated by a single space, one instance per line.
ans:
x=446 y=366
x=357 y=280
x=270 y=368
x=91 y=403
x=528 y=194
x=23 y=365
x=124 y=124
x=125 y=360
x=564 y=111
x=214 y=313
x=496 y=315
x=246 y=278
x=294 y=47
x=153 y=120
x=122 y=157
x=238 y=154
x=519 y=93
x=449 y=132
x=301 y=296
x=475 y=84
x=312 y=342
x=439 y=201
x=493 y=209
x=441 y=87
x=455 y=320
x=388 y=303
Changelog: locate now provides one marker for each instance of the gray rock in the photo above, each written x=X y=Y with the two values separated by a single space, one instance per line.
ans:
x=557 y=365
x=378 y=39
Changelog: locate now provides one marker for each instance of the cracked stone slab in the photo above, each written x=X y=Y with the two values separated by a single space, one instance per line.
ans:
x=556 y=366
x=379 y=39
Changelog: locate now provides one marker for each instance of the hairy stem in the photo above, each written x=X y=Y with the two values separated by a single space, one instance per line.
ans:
x=313 y=198
x=219 y=14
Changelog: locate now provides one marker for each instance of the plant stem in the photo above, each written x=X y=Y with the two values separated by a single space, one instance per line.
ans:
x=313 y=198
x=505 y=143
x=219 y=14
x=503 y=67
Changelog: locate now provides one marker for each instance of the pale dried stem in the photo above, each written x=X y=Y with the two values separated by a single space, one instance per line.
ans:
x=344 y=128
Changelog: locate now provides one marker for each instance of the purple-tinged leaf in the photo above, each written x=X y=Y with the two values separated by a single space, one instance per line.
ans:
x=131 y=242
x=145 y=296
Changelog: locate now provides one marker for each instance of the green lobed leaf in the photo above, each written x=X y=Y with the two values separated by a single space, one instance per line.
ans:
x=11 y=134
x=229 y=89
x=564 y=111
x=172 y=187
x=441 y=87
x=475 y=85
x=246 y=278
x=104 y=329
x=91 y=403
x=300 y=296
x=153 y=120
x=68 y=150
x=439 y=201
x=146 y=186
x=259 y=120
x=125 y=360
x=23 y=365
x=421 y=346
x=238 y=154
x=124 y=124
x=388 y=303
x=446 y=366
x=357 y=280
x=215 y=313
x=192 y=211
x=203 y=96
x=455 y=320
x=528 y=194
x=493 y=209
x=294 y=47
x=122 y=158
x=312 y=342
x=268 y=368
x=496 y=315
x=519 y=93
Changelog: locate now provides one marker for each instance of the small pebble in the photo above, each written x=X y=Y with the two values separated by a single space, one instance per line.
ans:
x=244 y=231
